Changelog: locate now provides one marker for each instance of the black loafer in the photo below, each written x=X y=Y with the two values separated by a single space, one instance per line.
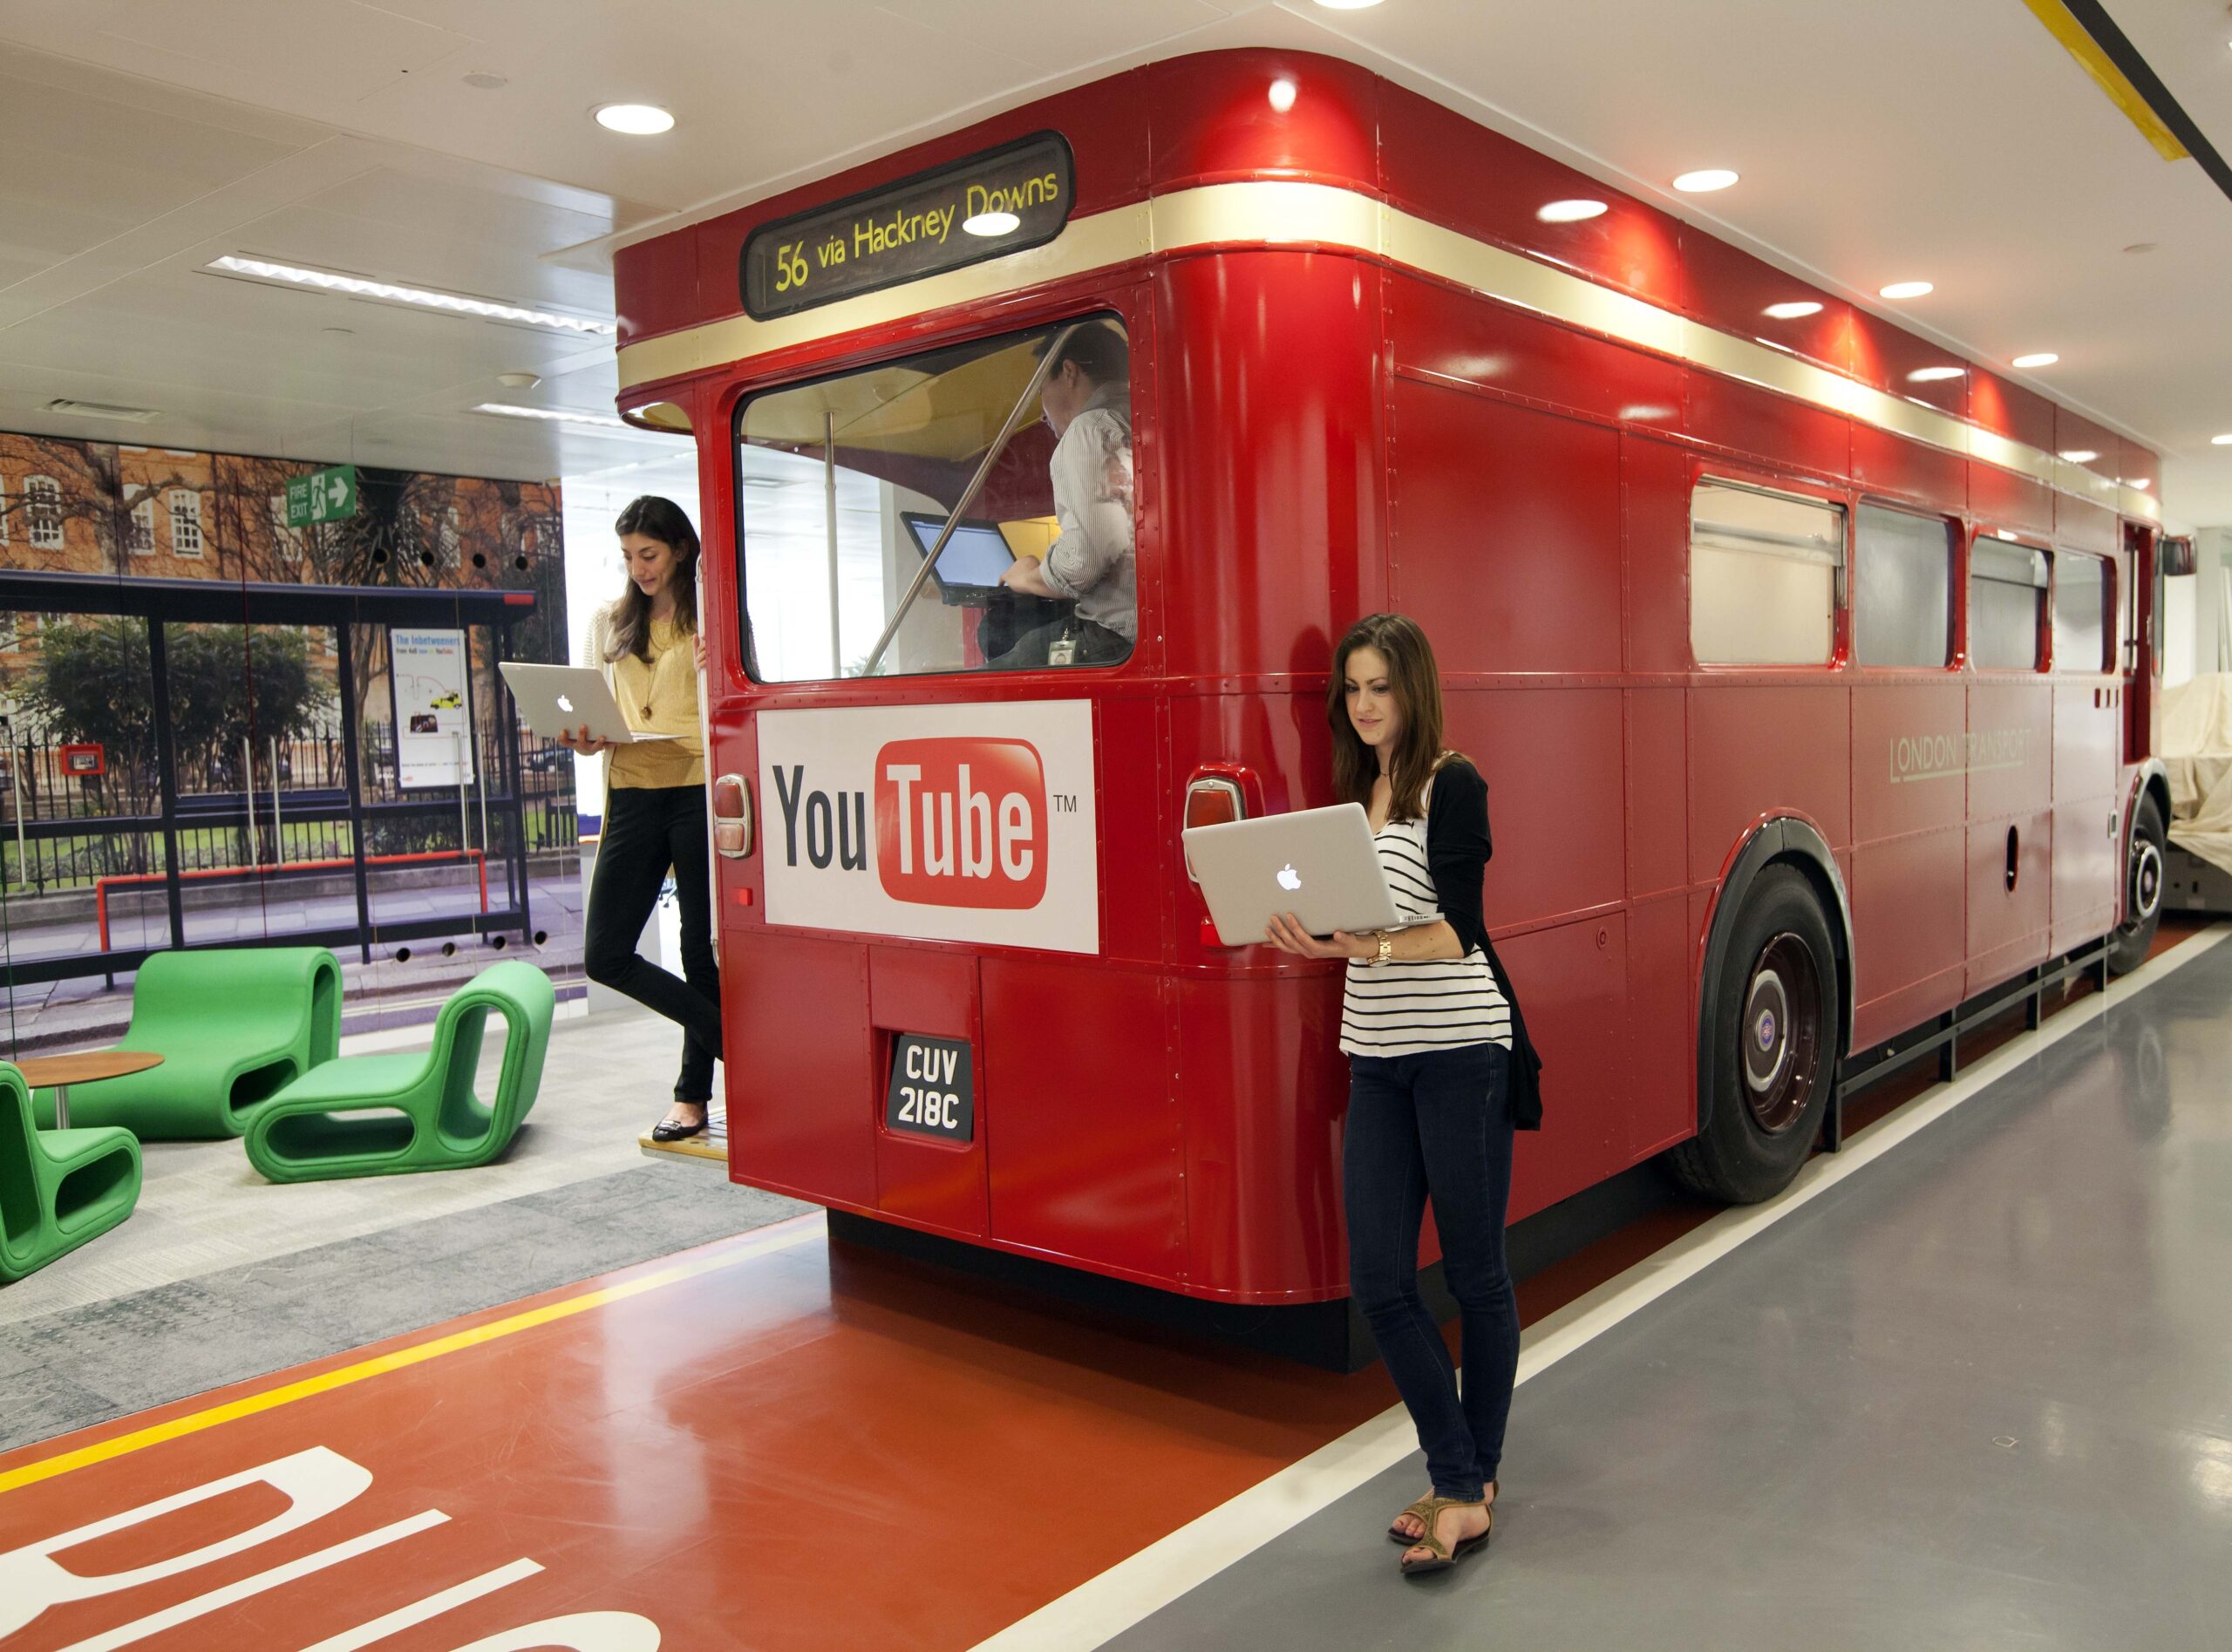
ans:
x=668 y=1130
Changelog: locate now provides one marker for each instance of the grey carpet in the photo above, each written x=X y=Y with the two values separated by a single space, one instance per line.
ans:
x=89 y=1363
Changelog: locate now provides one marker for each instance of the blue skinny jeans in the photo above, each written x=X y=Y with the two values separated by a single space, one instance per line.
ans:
x=1437 y=1125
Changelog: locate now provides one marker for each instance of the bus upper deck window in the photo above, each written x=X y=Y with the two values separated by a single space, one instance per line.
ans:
x=1764 y=576
x=965 y=509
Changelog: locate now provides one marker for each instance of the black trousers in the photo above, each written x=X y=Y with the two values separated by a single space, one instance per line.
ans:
x=648 y=829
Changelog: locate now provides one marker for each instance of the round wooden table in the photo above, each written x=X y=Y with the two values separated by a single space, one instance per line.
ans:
x=59 y=1072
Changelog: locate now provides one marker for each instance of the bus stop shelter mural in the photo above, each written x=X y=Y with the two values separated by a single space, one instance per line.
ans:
x=199 y=719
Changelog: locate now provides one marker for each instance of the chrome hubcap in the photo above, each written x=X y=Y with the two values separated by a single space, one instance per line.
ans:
x=1780 y=1033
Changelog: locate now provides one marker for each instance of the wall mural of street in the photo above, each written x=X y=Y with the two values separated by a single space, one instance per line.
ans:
x=264 y=839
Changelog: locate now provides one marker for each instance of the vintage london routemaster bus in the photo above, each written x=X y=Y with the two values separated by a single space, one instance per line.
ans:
x=1809 y=664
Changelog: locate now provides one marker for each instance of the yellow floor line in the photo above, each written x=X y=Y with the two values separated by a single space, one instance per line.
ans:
x=802 y=1230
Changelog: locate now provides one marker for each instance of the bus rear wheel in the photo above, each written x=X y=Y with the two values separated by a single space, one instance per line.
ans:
x=2143 y=873
x=1774 y=1021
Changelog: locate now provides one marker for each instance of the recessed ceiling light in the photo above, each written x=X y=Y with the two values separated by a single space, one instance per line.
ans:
x=1348 y=5
x=1793 y=309
x=1569 y=211
x=556 y=415
x=2081 y=455
x=2142 y=247
x=1705 y=181
x=393 y=293
x=1282 y=95
x=1931 y=374
x=990 y=223
x=637 y=119
x=2037 y=358
x=519 y=381
x=484 y=80
x=764 y=481
x=1904 y=289
x=2224 y=440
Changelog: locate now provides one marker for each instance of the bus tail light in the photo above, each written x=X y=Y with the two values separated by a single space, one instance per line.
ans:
x=1213 y=799
x=732 y=817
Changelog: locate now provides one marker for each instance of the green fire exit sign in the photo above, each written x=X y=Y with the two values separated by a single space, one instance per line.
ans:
x=329 y=495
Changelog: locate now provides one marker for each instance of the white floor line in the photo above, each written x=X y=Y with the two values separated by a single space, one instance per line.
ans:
x=1130 y=1591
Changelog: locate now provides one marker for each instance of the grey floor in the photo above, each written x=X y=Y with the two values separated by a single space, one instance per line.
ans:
x=1978 y=1394
x=219 y=1276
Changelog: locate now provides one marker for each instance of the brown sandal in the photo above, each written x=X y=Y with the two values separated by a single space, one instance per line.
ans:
x=1417 y=1511
x=1430 y=1509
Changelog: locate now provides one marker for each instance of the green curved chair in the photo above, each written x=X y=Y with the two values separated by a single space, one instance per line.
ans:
x=378 y=1115
x=58 y=1188
x=233 y=1024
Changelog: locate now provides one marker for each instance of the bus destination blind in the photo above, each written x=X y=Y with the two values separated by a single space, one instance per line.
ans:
x=994 y=203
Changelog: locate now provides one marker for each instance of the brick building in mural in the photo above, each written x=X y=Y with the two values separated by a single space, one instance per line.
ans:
x=159 y=513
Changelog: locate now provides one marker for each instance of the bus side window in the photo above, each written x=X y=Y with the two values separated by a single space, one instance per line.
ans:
x=2080 y=610
x=1764 y=576
x=1901 y=588
x=2007 y=600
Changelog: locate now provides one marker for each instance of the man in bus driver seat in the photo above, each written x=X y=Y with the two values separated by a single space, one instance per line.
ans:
x=1088 y=406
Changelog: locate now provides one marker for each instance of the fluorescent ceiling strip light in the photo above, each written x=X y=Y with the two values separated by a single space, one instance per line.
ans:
x=556 y=415
x=421 y=297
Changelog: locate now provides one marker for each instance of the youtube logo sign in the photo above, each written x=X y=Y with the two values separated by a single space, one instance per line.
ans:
x=959 y=822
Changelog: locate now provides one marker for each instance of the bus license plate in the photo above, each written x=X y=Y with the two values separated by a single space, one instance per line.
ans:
x=933 y=1088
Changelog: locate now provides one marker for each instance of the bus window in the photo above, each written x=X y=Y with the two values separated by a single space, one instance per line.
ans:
x=1764 y=572
x=2007 y=596
x=1903 y=588
x=2080 y=607
x=847 y=486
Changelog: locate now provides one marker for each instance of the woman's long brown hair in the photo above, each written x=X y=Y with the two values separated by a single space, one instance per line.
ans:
x=1416 y=684
x=628 y=622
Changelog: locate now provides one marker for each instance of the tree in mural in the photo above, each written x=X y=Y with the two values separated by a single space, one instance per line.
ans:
x=91 y=683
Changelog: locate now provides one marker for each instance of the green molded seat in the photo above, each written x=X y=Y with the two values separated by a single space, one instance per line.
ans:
x=234 y=1026
x=58 y=1188
x=376 y=1115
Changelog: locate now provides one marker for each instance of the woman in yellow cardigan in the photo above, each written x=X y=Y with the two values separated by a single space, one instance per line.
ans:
x=645 y=643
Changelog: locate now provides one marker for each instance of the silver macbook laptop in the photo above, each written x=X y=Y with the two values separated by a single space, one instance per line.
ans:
x=557 y=699
x=1318 y=864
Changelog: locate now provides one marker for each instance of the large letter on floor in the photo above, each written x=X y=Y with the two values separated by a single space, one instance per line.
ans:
x=315 y=1483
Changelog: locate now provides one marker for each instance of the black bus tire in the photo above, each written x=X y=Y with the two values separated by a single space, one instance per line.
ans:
x=1775 y=1023
x=2143 y=883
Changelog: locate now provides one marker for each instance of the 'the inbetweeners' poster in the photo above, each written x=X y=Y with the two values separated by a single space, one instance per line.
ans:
x=433 y=712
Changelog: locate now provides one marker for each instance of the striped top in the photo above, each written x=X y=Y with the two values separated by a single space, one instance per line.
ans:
x=1397 y=1008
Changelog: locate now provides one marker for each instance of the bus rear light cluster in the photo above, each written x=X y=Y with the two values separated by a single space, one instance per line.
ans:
x=732 y=817
x=1212 y=799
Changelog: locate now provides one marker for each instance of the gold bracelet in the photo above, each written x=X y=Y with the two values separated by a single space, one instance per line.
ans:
x=1387 y=946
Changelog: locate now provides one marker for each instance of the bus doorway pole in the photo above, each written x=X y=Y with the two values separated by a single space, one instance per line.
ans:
x=829 y=520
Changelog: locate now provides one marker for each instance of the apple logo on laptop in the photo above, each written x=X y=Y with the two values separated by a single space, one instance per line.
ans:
x=1288 y=878
x=565 y=704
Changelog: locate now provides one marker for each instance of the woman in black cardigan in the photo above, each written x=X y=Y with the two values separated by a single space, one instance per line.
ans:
x=1441 y=1074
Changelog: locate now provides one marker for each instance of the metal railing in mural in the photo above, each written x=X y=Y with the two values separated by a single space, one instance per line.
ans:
x=221 y=825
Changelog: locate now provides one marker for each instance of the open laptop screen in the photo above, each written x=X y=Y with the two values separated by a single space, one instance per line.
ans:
x=974 y=558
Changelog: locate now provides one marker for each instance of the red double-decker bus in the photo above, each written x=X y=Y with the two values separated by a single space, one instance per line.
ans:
x=1809 y=664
